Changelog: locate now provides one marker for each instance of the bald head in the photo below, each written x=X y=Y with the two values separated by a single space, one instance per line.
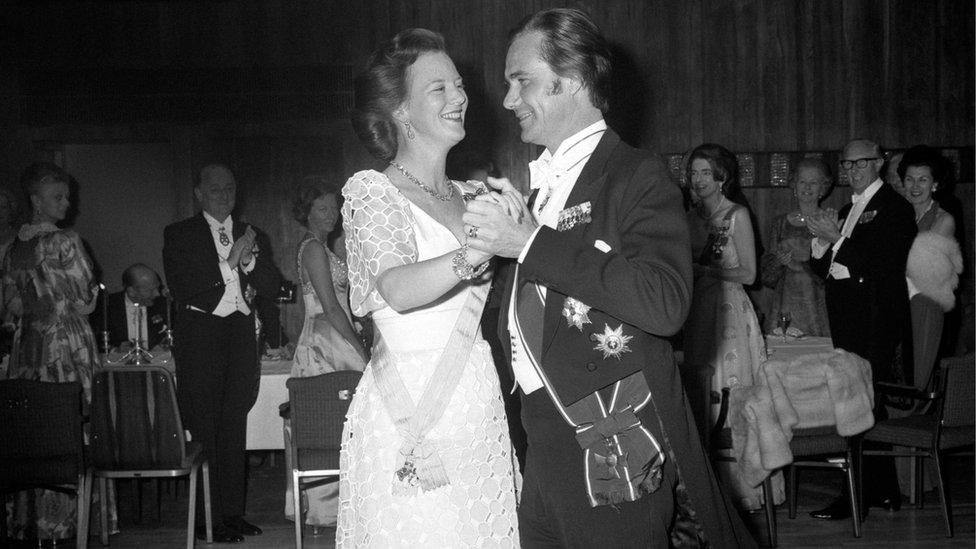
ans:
x=141 y=284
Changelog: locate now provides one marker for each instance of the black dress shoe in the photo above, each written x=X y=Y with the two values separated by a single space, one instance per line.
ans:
x=241 y=526
x=838 y=509
x=221 y=534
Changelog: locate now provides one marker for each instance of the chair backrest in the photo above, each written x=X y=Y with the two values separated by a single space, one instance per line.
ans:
x=135 y=420
x=959 y=382
x=41 y=437
x=318 y=411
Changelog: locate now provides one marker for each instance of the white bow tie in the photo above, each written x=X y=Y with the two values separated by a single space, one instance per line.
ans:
x=543 y=174
x=858 y=199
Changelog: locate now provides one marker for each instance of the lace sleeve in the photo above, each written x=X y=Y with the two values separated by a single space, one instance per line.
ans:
x=379 y=235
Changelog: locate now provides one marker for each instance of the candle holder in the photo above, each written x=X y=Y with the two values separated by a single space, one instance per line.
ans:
x=138 y=354
x=105 y=344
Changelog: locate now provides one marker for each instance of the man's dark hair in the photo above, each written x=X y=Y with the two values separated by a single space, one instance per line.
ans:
x=573 y=47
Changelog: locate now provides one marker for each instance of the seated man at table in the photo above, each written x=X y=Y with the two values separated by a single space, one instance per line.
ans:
x=138 y=311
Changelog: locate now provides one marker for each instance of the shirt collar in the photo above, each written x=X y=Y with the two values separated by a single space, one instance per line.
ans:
x=870 y=191
x=576 y=147
x=215 y=225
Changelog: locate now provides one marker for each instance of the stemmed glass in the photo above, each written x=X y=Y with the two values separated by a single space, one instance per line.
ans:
x=783 y=320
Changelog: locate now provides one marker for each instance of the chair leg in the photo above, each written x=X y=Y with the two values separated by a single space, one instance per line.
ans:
x=919 y=467
x=103 y=506
x=913 y=480
x=84 y=508
x=207 y=512
x=191 y=518
x=792 y=504
x=943 y=493
x=770 y=507
x=297 y=500
x=855 y=464
x=852 y=495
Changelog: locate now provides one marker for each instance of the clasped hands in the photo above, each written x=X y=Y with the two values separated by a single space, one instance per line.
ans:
x=499 y=222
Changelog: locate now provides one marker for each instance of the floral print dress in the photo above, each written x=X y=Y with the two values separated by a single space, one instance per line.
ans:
x=47 y=281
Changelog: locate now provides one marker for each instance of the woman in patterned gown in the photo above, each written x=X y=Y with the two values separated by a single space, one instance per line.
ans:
x=328 y=341
x=786 y=266
x=722 y=332
x=48 y=285
x=442 y=473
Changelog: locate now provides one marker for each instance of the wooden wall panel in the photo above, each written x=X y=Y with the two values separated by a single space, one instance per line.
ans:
x=268 y=82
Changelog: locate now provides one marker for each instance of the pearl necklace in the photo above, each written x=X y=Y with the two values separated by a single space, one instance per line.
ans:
x=428 y=190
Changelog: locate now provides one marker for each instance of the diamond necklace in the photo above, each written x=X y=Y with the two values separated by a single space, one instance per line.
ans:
x=428 y=190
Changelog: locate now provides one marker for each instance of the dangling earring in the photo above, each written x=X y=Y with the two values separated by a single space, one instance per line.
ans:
x=409 y=130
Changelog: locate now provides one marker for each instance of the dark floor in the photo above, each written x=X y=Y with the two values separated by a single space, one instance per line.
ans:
x=165 y=526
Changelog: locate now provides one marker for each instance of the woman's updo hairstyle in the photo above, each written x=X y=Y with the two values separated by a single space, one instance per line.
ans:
x=39 y=174
x=310 y=189
x=382 y=87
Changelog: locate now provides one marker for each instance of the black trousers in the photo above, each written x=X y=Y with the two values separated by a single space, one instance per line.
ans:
x=554 y=510
x=870 y=323
x=217 y=376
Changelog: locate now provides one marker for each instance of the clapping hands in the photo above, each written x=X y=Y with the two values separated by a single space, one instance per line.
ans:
x=826 y=226
x=244 y=249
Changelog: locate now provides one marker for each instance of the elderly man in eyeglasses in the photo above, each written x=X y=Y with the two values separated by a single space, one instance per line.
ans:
x=861 y=254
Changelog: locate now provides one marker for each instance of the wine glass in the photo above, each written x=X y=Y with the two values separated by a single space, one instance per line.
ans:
x=783 y=320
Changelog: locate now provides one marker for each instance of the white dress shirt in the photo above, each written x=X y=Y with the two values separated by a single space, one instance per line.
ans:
x=233 y=298
x=839 y=271
x=554 y=175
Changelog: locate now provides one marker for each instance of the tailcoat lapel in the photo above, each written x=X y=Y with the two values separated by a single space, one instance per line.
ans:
x=588 y=184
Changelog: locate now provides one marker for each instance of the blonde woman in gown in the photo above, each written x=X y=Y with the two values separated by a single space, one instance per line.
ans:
x=48 y=288
x=328 y=341
x=722 y=331
x=785 y=268
x=454 y=484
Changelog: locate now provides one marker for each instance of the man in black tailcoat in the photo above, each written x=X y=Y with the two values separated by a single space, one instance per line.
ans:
x=211 y=260
x=603 y=278
x=861 y=255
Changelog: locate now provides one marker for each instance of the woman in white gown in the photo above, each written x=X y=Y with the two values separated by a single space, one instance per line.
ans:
x=442 y=473
x=328 y=341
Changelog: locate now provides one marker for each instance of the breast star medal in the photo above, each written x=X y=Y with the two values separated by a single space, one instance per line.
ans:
x=575 y=312
x=612 y=343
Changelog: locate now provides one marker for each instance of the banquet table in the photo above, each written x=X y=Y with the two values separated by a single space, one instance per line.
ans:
x=263 y=422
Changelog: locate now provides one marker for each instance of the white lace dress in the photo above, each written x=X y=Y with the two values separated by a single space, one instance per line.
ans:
x=477 y=509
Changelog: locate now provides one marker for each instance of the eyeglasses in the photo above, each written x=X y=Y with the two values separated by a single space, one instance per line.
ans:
x=860 y=162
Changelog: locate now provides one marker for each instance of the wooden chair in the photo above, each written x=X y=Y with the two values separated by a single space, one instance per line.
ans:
x=42 y=444
x=947 y=424
x=137 y=432
x=317 y=411
x=720 y=440
x=824 y=442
